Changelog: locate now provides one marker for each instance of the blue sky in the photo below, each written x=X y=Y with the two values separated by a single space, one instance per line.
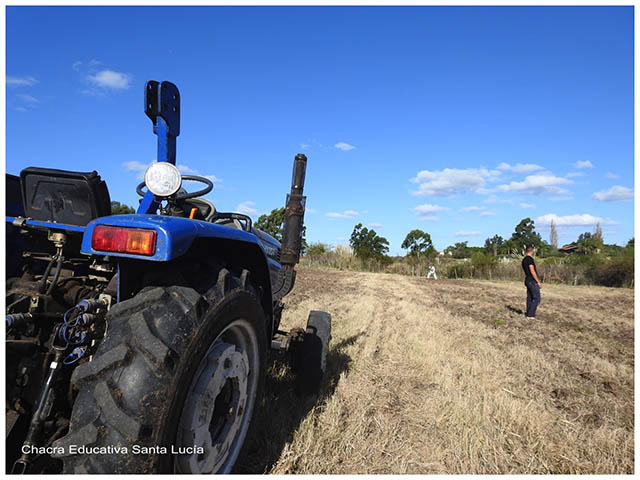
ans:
x=459 y=121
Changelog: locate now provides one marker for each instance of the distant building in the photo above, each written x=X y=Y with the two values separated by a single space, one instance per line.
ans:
x=569 y=248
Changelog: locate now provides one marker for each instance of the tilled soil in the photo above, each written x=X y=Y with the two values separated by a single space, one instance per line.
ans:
x=448 y=376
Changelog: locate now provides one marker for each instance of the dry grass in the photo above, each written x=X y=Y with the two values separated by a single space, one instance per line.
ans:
x=447 y=377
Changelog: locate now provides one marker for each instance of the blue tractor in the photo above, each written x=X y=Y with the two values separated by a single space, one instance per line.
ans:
x=138 y=343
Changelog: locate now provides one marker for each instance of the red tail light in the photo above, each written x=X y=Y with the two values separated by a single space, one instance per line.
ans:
x=136 y=241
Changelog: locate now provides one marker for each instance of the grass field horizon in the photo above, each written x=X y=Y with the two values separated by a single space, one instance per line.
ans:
x=448 y=377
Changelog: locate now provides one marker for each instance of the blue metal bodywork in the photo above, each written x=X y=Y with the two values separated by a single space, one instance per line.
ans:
x=174 y=234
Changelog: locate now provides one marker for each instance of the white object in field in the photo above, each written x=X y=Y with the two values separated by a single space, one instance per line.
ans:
x=432 y=271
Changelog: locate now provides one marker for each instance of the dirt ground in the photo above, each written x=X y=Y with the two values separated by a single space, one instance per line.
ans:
x=448 y=376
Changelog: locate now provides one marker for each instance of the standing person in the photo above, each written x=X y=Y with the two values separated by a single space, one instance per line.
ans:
x=432 y=271
x=532 y=282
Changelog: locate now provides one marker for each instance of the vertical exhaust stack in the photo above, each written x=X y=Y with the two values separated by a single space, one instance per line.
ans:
x=294 y=216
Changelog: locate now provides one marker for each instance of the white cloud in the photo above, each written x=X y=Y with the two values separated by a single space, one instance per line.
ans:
x=213 y=178
x=487 y=214
x=496 y=199
x=304 y=146
x=310 y=210
x=108 y=79
x=574 y=174
x=28 y=99
x=612 y=175
x=344 y=146
x=537 y=184
x=581 y=220
x=345 y=214
x=465 y=233
x=472 y=209
x=428 y=208
x=583 y=164
x=138 y=167
x=527 y=205
x=519 y=167
x=21 y=109
x=21 y=81
x=76 y=65
x=616 y=193
x=562 y=198
x=375 y=225
x=246 y=207
x=452 y=180
x=429 y=218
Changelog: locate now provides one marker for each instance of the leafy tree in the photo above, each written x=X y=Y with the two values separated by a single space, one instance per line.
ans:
x=317 y=249
x=459 y=250
x=418 y=243
x=493 y=245
x=525 y=235
x=630 y=243
x=273 y=224
x=588 y=243
x=367 y=243
x=118 y=208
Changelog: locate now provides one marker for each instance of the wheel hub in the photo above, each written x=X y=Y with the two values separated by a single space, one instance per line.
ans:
x=214 y=409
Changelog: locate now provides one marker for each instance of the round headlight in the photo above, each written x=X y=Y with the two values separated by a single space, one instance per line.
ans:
x=162 y=179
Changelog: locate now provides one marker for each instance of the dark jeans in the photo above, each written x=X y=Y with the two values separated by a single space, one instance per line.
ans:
x=533 y=297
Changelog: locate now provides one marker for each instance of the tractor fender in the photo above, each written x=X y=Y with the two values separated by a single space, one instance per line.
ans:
x=176 y=236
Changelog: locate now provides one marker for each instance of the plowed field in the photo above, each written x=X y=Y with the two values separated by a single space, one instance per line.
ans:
x=448 y=376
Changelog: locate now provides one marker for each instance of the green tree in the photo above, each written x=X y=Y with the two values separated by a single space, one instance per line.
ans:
x=525 y=235
x=118 y=208
x=419 y=244
x=317 y=249
x=459 y=250
x=631 y=243
x=367 y=243
x=589 y=243
x=273 y=224
x=493 y=245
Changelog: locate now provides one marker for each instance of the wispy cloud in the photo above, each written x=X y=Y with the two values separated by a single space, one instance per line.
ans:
x=246 y=207
x=344 y=146
x=27 y=81
x=561 y=198
x=139 y=168
x=612 y=175
x=467 y=233
x=472 y=209
x=28 y=99
x=574 y=174
x=451 y=181
x=488 y=214
x=519 y=167
x=375 y=225
x=110 y=80
x=616 y=193
x=427 y=209
x=537 y=184
x=583 y=164
x=580 y=220
x=527 y=205
x=345 y=214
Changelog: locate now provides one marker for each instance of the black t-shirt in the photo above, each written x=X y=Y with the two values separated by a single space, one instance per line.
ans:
x=526 y=261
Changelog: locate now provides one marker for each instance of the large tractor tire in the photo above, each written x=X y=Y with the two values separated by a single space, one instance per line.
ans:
x=175 y=381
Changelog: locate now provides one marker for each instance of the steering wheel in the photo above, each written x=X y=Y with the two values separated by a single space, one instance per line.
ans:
x=185 y=195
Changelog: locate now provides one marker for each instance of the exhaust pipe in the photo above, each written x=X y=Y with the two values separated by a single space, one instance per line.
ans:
x=292 y=232
x=294 y=215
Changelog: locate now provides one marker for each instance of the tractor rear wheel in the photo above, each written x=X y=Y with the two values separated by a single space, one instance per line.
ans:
x=173 y=385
